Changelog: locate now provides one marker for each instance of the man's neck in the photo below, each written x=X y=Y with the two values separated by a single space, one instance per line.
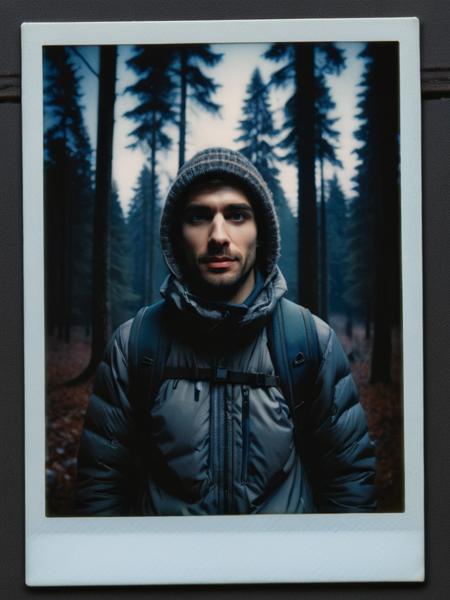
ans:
x=245 y=290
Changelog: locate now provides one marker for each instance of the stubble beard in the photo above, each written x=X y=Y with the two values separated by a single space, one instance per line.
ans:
x=218 y=289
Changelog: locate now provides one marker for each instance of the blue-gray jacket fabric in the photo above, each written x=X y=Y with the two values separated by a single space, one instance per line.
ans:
x=224 y=448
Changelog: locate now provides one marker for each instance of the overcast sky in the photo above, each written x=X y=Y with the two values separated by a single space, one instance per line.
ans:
x=233 y=74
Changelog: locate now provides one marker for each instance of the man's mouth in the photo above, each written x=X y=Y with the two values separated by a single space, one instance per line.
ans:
x=217 y=262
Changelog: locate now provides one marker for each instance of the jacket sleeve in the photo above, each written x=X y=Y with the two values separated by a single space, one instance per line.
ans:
x=339 y=451
x=105 y=475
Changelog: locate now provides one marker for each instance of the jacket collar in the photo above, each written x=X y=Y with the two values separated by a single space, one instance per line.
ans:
x=223 y=320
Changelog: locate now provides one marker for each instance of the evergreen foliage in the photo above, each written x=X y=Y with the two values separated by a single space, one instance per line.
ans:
x=156 y=94
x=154 y=91
x=68 y=196
x=328 y=59
x=137 y=233
x=337 y=228
x=258 y=134
x=297 y=72
x=308 y=137
x=140 y=242
x=122 y=301
x=359 y=261
x=192 y=85
x=63 y=117
x=168 y=76
x=259 y=138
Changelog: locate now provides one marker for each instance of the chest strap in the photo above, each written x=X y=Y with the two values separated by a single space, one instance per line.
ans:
x=221 y=375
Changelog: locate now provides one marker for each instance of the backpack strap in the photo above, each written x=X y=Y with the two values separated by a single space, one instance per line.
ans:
x=293 y=345
x=222 y=375
x=148 y=348
x=294 y=349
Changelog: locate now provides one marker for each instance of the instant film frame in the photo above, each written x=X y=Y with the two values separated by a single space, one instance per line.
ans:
x=228 y=549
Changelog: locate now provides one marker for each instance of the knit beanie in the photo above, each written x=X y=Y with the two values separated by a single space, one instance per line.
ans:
x=216 y=163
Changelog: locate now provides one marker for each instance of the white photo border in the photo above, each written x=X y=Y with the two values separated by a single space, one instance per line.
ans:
x=223 y=549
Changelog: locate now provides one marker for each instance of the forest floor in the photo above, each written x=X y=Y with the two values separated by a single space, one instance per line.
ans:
x=65 y=410
x=66 y=407
x=383 y=404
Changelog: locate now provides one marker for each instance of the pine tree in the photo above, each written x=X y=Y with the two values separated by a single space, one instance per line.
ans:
x=359 y=261
x=258 y=134
x=378 y=187
x=337 y=218
x=193 y=85
x=122 y=301
x=259 y=139
x=328 y=59
x=140 y=241
x=300 y=142
x=168 y=78
x=137 y=233
x=156 y=93
x=102 y=204
x=68 y=196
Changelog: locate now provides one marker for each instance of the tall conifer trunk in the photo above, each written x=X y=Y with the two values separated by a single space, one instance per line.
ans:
x=150 y=214
x=307 y=214
x=323 y=248
x=183 y=101
x=145 y=235
x=386 y=288
x=66 y=249
x=105 y=128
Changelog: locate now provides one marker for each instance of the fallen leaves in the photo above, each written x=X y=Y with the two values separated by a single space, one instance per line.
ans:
x=383 y=404
x=65 y=410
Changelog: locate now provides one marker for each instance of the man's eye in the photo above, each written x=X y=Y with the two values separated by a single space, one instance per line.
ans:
x=195 y=218
x=237 y=216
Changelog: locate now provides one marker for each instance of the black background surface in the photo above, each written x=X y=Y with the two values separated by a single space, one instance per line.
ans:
x=435 y=53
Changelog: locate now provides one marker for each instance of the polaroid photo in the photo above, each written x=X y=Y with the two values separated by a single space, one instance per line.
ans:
x=256 y=187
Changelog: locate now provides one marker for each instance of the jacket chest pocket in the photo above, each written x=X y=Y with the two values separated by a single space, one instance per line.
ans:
x=180 y=420
x=267 y=437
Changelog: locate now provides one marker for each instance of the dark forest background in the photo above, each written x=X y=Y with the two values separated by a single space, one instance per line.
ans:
x=340 y=255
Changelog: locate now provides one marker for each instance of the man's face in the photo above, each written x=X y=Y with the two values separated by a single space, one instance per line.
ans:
x=219 y=240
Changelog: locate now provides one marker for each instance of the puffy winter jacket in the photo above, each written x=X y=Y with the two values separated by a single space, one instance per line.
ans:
x=224 y=448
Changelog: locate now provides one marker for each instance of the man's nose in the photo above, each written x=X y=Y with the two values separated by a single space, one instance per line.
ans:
x=218 y=233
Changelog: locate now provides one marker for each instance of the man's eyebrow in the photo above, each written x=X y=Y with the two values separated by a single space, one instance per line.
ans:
x=193 y=205
x=232 y=206
x=238 y=206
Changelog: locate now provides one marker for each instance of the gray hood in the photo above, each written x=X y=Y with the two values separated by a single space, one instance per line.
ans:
x=222 y=162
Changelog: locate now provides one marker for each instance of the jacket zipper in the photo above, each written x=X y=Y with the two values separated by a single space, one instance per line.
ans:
x=218 y=442
x=216 y=446
x=245 y=432
x=226 y=474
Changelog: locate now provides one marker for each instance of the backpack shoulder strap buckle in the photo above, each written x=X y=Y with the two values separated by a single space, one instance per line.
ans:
x=220 y=375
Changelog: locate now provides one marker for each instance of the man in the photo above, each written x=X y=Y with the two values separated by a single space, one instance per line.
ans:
x=210 y=431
